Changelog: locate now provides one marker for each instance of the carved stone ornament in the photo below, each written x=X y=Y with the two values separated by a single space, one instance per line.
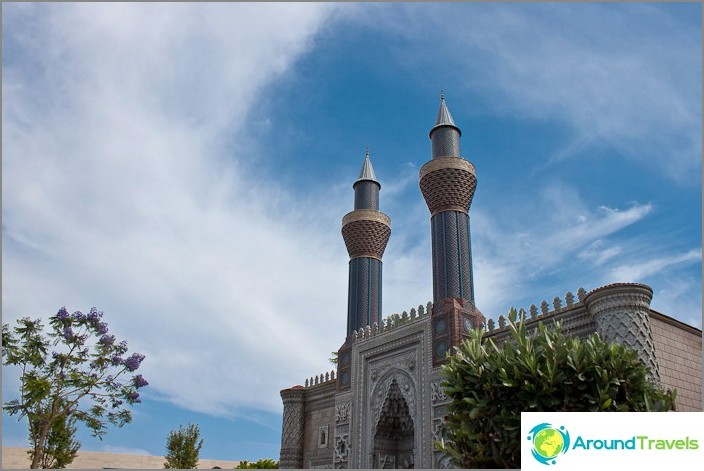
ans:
x=437 y=394
x=342 y=448
x=342 y=413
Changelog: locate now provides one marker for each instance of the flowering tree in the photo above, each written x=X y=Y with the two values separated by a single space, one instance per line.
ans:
x=76 y=371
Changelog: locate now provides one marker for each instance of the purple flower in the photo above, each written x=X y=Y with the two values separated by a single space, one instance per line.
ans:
x=93 y=315
x=133 y=362
x=121 y=347
x=102 y=328
x=134 y=397
x=116 y=360
x=78 y=315
x=106 y=340
x=62 y=314
x=139 y=381
x=68 y=333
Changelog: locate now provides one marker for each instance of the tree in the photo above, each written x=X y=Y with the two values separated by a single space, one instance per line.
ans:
x=183 y=447
x=61 y=447
x=267 y=463
x=76 y=372
x=490 y=385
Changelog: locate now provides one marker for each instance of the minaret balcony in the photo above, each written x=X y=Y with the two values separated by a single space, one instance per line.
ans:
x=366 y=233
x=448 y=184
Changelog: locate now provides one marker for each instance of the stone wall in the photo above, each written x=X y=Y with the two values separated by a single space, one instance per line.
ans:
x=16 y=458
x=319 y=428
x=678 y=348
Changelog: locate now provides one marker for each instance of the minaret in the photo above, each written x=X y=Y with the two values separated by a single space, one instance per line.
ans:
x=366 y=231
x=448 y=182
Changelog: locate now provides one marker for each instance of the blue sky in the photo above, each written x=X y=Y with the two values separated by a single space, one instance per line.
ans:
x=185 y=169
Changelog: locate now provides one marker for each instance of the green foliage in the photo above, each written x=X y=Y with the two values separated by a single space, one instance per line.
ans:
x=183 y=448
x=490 y=385
x=259 y=464
x=333 y=358
x=61 y=448
x=75 y=372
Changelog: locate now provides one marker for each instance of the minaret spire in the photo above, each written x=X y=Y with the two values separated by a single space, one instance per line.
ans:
x=448 y=182
x=367 y=172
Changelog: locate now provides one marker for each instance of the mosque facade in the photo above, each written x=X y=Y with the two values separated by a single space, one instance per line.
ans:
x=384 y=406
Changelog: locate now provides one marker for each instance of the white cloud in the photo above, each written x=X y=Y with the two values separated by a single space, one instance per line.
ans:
x=644 y=269
x=123 y=188
x=594 y=68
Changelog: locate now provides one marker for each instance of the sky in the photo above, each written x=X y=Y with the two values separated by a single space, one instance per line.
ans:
x=185 y=169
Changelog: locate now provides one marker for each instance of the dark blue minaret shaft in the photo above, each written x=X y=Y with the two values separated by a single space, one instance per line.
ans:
x=366 y=231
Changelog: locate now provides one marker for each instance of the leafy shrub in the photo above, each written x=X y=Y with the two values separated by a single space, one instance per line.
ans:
x=543 y=371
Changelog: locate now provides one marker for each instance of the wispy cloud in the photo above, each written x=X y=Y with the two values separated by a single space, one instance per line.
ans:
x=123 y=188
x=602 y=77
x=641 y=270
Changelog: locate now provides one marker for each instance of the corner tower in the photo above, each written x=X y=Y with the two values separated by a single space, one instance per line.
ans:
x=448 y=182
x=366 y=231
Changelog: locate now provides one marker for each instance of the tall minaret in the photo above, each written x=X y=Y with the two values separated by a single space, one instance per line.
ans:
x=448 y=182
x=366 y=231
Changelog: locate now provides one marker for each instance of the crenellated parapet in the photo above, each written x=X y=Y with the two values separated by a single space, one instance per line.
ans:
x=328 y=376
x=619 y=312
x=546 y=313
x=392 y=323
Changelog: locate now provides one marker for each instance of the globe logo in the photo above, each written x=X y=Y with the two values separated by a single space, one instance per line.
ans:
x=548 y=442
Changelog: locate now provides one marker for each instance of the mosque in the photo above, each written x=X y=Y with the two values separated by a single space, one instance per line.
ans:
x=384 y=406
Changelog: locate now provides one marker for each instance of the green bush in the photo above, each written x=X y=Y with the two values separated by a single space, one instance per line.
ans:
x=543 y=371
x=183 y=447
x=267 y=463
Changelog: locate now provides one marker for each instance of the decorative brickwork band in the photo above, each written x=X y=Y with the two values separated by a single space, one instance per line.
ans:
x=366 y=233
x=292 y=428
x=622 y=313
x=448 y=184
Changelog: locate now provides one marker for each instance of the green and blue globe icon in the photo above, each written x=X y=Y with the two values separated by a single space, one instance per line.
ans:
x=548 y=442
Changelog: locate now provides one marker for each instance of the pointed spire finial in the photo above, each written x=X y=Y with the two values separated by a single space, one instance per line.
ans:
x=367 y=172
x=444 y=118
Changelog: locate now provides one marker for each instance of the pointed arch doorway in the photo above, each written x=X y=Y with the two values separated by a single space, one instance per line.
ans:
x=393 y=446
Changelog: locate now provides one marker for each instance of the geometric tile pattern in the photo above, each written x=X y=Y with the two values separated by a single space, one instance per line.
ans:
x=366 y=195
x=622 y=312
x=366 y=233
x=445 y=142
x=450 y=187
x=452 y=265
x=292 y=429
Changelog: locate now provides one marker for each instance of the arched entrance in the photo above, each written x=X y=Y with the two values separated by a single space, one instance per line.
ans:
x=394 y=433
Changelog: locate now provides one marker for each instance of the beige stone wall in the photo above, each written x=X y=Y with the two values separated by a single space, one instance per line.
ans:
x=319 y=412
x=16 y=458
x=678 y=348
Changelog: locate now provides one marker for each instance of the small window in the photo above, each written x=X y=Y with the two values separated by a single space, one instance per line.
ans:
x=323 y=437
